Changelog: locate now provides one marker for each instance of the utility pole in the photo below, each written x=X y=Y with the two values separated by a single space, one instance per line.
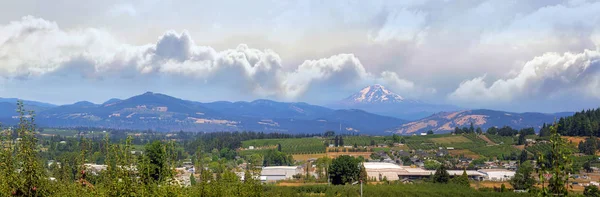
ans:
x=361 y=181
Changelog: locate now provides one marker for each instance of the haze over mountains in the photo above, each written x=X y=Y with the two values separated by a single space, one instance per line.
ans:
x=374 y=110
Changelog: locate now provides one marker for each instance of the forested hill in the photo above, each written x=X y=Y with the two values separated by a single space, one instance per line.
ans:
x=584 y=123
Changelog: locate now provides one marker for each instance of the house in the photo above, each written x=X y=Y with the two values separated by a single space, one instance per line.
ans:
x=423 y=133
x=250 y=147
x=277 y=173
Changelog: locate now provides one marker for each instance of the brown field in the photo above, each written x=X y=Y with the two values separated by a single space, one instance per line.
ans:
x=486 y=139
x=449 y=140
x=287 y=183
x=465 y=152
x=520 y=147
x=574 y=139
x=490 y=184
x=304 y=157
x=354 y=154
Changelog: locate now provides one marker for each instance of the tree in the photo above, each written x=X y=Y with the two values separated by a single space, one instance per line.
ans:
x=344 y=169
x=462 y=179
x=279 y=147
x=431 y=164
x=403 y=141
x=192 y=179
x=329 y=133
x=523 y=179
x=363 y=174
x=502 y=188
x=372 y=142
x=430 y=132
x=587 y=166
x=521 y=140
x=523 y=156
x=155 y=154
x=558 y=163
x=395 y=138
x=441 y=175
x=322 y=167
x=589 y=146
x=341 y=142
x=479 y=131
x=591 y=191
x=471 y=128
x=492 y=131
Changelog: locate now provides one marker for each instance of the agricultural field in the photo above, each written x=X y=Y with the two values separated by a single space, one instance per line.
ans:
x=494 y=151
x=544 y=148
x=291 y=145
x=465 y=152
x=451 y=140
x=501 y=139
x=363 y=140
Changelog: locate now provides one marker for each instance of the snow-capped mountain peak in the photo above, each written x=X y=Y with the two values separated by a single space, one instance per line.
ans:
x=374 y=94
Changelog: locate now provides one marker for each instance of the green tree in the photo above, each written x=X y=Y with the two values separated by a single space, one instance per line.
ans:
x=591 y=191
x=523 y=179
x=363 y=176
x=192 y=179
x=343 y=170
x=441 y=175
x=462 y=179
x=430 y=132
x=523 y=156
x=432 y=164
x=558 y=163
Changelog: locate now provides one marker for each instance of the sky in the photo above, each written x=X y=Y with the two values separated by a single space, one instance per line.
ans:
x=537 y=55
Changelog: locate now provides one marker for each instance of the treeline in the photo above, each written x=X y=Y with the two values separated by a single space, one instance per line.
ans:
x=502 y=131
x=584 y=123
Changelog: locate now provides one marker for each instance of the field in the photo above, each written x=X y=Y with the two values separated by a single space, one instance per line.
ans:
x=500 y=139
x=363 y=140
x=451 y=140
x=574 y=139
x=291 y=145
x=465 y=152
x=304 y=157
x=494 y=151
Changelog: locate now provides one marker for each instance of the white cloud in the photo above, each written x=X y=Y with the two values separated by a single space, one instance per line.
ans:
x=546 y=76
x=34 y=48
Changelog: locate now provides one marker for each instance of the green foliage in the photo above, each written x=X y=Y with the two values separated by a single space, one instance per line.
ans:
x=290 y=145
x=276 y=158
x=344 y=169
x=432 y=164
x=462 y=180
x=589 y=146
x=523 y=179
x=558 y=163
x=591 y=191
x=441 y=175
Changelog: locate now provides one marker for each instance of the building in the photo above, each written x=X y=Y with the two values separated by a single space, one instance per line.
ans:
x=276 y=173
x=392 y=172
x=498 y=174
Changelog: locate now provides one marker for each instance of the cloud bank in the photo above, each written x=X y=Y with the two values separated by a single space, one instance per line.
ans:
x=35 y=48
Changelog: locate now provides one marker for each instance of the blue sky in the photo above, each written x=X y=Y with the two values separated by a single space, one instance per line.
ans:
x=510 y=55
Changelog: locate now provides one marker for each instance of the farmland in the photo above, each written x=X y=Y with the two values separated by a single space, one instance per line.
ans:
x=291 y=145
x=450 y=140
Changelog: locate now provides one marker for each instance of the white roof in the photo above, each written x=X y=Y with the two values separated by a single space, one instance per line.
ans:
x=381 y=165
x=280 y=168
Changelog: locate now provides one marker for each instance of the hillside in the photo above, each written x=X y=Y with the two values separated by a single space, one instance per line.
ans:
x=166 y=113
x=444 y=122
